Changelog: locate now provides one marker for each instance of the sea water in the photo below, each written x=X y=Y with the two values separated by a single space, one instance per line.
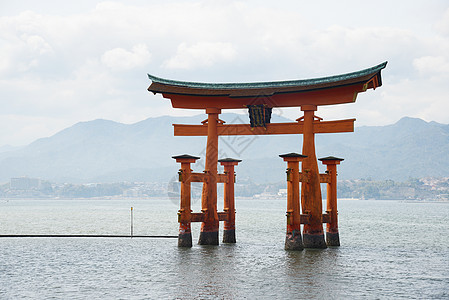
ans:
x=389 y=250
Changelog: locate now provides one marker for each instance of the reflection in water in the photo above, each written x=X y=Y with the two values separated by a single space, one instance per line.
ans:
x=313 y=271
x=206 y=272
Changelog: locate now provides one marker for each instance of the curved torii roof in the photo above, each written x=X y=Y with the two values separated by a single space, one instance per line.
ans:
x=319 y=91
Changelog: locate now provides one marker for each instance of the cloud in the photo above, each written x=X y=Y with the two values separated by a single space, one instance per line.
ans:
x=442 y=26
x=202 y=54
x=432 y=65
x=37 y=44
x=121 y=59
x=23 y=46
x=92 y=63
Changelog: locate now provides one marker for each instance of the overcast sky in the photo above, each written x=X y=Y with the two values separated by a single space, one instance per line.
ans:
x=62 y=62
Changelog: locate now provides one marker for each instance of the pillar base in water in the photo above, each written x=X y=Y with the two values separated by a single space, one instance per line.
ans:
x=332 y=239
x=314 y=241
x=208 y=238
x=185 y=240
x=294 y=241
x=229 y=236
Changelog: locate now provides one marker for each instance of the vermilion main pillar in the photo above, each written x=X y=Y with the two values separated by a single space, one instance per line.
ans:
x=313 y=236
x=210 y=225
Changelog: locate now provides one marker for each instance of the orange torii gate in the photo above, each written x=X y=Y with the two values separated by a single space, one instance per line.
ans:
x=260 y=98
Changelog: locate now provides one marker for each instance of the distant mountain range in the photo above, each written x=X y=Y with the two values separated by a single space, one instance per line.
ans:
x=107 y=151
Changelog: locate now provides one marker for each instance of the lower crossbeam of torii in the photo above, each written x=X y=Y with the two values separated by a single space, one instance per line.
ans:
x=308 y=95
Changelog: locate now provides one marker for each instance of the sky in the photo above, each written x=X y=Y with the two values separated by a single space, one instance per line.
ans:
x=63 y=62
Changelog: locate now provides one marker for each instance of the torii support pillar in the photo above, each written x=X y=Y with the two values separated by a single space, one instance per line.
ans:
x=229 y=199
x=313 y=236
x=332 y=235
x=185 y=212
x=210 y=224
x=293 y=239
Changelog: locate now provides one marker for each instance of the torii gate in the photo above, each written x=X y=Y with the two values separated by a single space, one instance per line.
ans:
x=260 y=98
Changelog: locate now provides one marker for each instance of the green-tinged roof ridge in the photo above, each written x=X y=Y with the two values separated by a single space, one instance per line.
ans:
x=270 y=84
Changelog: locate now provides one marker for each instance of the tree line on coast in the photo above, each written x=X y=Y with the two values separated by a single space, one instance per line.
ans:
x=411 y=189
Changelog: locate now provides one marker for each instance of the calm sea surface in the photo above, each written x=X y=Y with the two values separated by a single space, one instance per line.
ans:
x=390 y=250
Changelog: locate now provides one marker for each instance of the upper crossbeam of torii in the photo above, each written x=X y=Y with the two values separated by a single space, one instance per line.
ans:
x=260 y=98
x=320 y=91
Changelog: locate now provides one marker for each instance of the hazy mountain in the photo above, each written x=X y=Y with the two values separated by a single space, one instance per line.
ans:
x=409 y=148
x=104 y=151
x=8 y=148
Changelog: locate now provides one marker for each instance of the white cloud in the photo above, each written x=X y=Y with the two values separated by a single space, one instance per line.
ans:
x=5 y=62
x=202 y=54
x=442 y=25
x=24 y=45
x=91 y=63
x=38 y=45
x=432 y=65
x=121 y=59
